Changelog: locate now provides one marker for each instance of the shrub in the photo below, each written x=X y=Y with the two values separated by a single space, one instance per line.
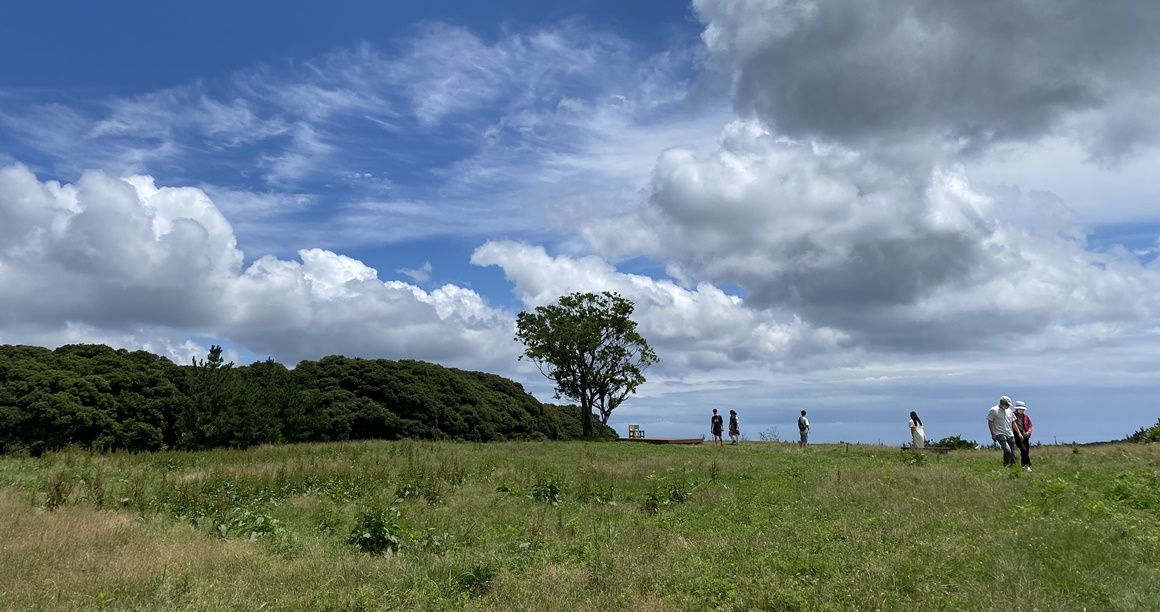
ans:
x=1145 y=434
x=957 y=443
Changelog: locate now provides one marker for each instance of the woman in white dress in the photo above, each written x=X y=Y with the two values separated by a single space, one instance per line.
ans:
x=917 y=433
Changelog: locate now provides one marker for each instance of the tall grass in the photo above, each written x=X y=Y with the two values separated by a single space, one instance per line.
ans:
x=534 y=526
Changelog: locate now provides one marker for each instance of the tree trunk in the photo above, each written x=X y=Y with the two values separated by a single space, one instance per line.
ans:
x=586 y=420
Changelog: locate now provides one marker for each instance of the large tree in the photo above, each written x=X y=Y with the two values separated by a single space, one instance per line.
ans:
x=588 y=344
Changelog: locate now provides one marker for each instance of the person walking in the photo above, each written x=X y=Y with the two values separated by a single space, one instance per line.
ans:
x=917 y=432
x=804 y=429
x=715 y=426
x=1022 y=427
x=734 y=428
x=999 y=421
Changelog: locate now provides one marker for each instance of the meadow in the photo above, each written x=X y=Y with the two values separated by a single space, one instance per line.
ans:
x=580 y=525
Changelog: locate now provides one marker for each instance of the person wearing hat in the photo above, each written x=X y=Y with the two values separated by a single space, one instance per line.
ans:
x=734 y=427
x=1022 y=427
x=1000 y=421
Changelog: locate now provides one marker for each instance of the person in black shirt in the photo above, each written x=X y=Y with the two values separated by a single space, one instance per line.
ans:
x=716 y=425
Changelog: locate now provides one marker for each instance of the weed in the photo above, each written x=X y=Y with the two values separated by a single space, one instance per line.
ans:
x=432 y=541
x=601 y=493
x=412 y=488
x=58 y=490
x=94 y=485
x=547 y=489
x=681 y=485
x=140 y=493
x=376 y=531
x=914 y=457
x=433 y=493
x=475 y=581
x=769 y=435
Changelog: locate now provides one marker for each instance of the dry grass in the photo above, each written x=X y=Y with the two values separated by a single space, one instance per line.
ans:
x=78 y=556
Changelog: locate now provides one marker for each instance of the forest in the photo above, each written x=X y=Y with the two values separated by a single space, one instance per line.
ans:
x=97 y=397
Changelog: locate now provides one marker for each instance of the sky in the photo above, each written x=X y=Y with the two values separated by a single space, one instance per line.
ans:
x=849 y=207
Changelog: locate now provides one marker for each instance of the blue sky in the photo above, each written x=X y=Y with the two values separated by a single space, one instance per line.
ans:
x=813 y=206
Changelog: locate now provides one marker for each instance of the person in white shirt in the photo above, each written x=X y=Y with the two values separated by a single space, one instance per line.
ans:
x=999 y=419
x=917 y=432
x=804 y=429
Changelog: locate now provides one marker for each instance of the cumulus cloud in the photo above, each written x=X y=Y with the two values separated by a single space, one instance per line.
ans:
x=967 y=73
x=849 y=244
x=110 y=258
x=692 y=328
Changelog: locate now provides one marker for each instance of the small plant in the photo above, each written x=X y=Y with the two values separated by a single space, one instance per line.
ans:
x=714 y=471
x=376 y=532
x=95 y=489
x=433 y=494
x=58 y=490
x=414 y=487
x=914 y=457
x=652 y=503
x=681 y=485
x=769 y=435
x=253 y=524
x=547 y=489
x=599 y=493
x=140 y=496
x=475 y=581
x=327 y=521
x=430 y=540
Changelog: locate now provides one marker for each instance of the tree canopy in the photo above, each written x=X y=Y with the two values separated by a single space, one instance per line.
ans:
x=99 y=397
x=588 y=344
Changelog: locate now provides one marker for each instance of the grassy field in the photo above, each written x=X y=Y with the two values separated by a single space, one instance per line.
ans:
x=551 y=526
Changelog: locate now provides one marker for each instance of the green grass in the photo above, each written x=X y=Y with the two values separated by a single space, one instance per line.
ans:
x=535 y=526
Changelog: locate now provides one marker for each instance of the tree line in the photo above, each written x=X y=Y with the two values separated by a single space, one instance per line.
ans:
x=108 y=399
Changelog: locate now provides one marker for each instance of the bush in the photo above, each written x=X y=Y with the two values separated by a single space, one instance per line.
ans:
x=956 y=443
x=1145 y=434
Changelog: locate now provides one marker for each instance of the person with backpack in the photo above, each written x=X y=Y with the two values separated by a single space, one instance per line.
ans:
x=734 y=428
x=804 y=429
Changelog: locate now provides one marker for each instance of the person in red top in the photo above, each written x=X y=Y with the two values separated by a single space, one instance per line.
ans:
x=1022 y=427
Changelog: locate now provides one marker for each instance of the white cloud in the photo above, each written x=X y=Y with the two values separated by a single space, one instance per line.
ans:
x=848 y=244
x=701 y=328
x=106 y=257
x=422 y=274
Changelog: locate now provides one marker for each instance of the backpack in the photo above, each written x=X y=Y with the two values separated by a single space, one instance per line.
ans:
x=801 y=425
